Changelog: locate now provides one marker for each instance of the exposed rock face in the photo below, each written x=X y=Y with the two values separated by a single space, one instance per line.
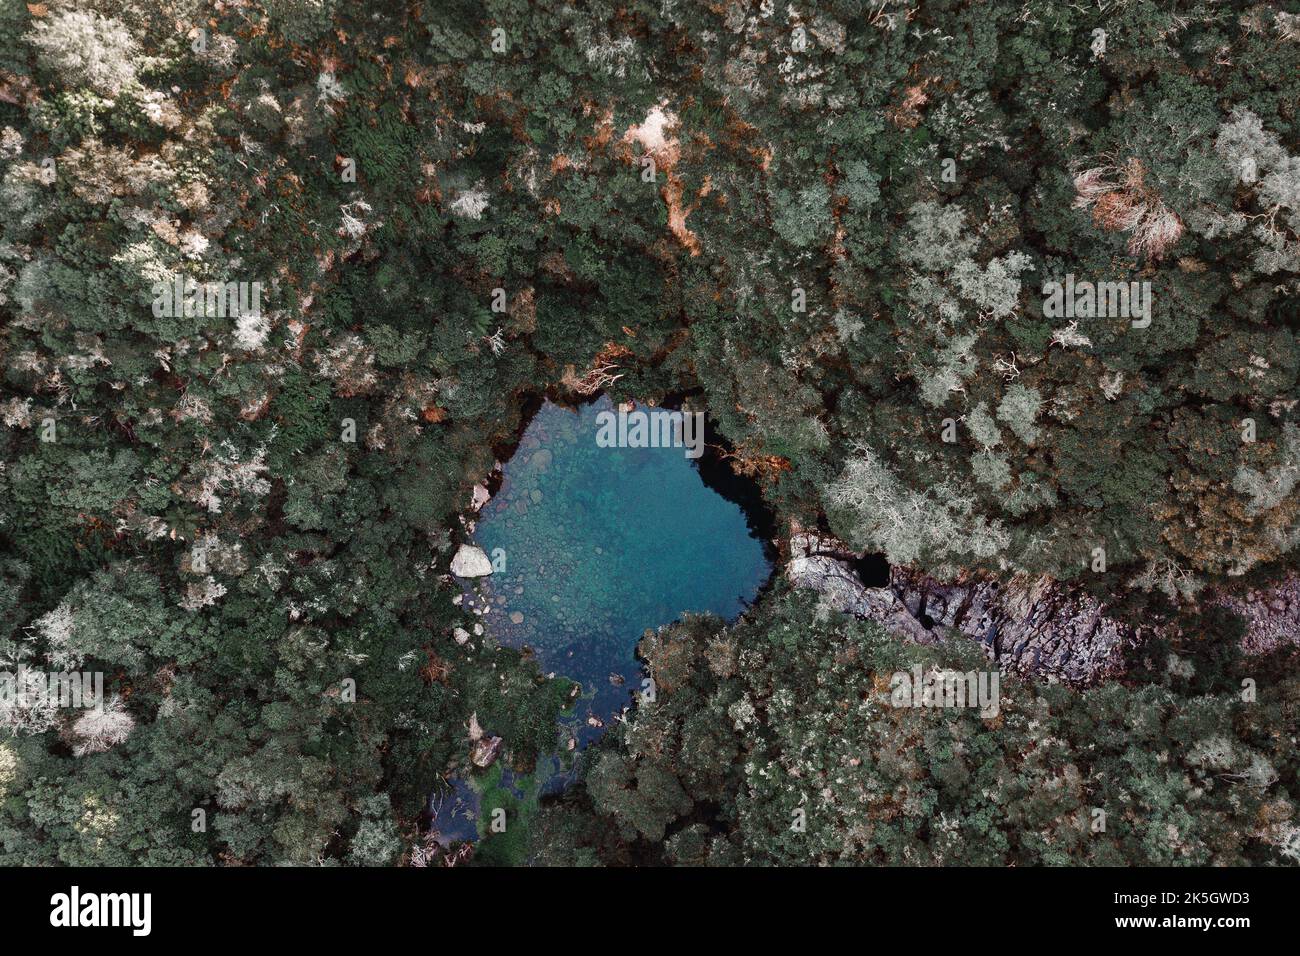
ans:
x=483 y=749
x=820 y=563
x=1272 y=615
x=1031 y=626
x=470 y=562
x=484 y=752
x=1028 y=625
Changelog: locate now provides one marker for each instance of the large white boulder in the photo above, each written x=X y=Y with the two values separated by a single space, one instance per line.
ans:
x=470 y=562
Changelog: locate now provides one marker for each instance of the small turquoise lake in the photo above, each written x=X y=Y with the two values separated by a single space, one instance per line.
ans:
x=601 y=544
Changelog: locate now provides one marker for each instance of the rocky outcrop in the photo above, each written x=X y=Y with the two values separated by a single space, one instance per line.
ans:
x=821 y=563
x=470 y=562
x=1272 y=615
x=1028 y=625
x=484 y=748
x=1031 y=626
x=483 y=753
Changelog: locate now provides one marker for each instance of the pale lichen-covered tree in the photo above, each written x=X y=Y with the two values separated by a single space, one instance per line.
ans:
x=994 y=289
x=85 y=49
x=1257 y=161
x=956 y=363
x=990 y=470
x=26 y=707
x=936 y=239
x=101 y=728
x=982 y=428
x=376 y=842
x=1270 y=488
x=885 y=514
x=1018 y=409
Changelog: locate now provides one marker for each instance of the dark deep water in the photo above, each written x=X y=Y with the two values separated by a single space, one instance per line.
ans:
x=600 y=545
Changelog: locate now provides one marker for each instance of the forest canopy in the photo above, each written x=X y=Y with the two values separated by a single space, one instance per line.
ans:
x=832 y=224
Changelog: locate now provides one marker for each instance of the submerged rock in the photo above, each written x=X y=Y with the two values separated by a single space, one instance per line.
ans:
x=470 y=562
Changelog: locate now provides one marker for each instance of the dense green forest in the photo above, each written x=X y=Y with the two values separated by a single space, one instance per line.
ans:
x=832 y=223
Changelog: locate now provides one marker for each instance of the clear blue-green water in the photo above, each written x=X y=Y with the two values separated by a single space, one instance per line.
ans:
x=601 y=544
